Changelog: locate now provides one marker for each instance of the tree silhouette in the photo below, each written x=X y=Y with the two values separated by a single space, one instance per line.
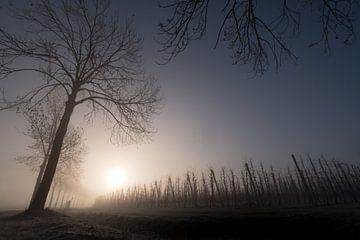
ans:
x=81 y=49
x=42 y=123
x=255 y=37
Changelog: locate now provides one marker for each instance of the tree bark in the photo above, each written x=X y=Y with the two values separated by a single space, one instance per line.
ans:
x=39 y=200
x=39 y=178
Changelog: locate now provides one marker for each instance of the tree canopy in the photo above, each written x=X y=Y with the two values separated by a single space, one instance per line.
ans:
x=81 y=49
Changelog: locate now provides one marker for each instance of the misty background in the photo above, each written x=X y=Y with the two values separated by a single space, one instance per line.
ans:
x=214 y=113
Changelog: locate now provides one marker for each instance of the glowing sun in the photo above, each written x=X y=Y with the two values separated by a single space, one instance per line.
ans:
x=115 y=177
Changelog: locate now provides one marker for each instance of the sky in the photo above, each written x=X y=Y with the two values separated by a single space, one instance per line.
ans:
x=214 y=114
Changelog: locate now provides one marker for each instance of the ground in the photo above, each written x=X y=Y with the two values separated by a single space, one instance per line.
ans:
x=339 y=222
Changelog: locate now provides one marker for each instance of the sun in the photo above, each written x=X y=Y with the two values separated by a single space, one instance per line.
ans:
x=115 y=177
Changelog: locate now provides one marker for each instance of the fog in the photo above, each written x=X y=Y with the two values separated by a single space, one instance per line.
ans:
x=214 y=114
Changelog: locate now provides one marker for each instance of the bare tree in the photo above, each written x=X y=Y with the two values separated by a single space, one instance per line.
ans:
x=254 y=35
x=81 y=49
x=42 y=123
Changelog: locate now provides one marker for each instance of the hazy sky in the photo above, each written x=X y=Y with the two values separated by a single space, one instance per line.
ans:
x=214 y=113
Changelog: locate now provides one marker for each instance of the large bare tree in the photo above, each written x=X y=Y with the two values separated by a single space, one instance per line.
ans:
x=256 y=31
x=42 y=123
x=80 y=48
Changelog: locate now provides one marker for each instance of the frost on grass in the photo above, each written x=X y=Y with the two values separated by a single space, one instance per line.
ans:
x=55 y=226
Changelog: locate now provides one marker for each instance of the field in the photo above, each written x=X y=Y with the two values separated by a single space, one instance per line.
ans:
x=340 y=222
x=312 y=199
x=307 y=182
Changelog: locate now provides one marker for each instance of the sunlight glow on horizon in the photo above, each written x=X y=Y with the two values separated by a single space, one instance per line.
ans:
x=115 y=177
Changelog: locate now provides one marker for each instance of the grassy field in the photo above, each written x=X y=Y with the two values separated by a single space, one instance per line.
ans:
x=340 y=222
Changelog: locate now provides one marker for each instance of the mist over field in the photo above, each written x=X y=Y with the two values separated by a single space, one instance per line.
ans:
x=204 y=110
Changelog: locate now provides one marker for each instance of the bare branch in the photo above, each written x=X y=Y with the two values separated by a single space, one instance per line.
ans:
x=84 y=50
x=187 y=23
x=42 y=123
x=252 y=39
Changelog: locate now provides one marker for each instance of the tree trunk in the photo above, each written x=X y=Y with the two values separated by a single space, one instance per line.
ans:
x=52 y=195
x=62 y=200
x=39 y=200
x=58 y=197
x=39 y=178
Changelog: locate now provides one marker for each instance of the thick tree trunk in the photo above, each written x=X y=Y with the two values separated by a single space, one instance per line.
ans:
x=38 y=180
x=39 y=200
